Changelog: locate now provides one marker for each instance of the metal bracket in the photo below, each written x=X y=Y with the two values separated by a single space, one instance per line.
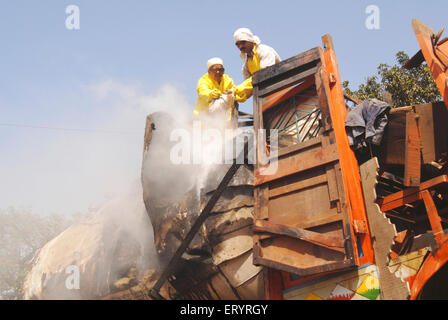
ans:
x=360 y=226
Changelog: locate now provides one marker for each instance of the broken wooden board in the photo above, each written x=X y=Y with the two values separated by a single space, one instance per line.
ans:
x=432 y=118
x=383 y=234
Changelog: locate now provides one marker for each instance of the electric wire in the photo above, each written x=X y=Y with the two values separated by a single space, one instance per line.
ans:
x=66 y=129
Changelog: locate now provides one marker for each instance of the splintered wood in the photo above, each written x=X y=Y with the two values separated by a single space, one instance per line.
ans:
x=383 y=233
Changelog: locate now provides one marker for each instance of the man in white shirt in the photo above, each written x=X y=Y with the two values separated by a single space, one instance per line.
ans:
x=256 y=56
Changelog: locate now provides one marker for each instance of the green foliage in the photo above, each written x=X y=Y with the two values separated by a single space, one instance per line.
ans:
x=22 y=233
x=407 y=87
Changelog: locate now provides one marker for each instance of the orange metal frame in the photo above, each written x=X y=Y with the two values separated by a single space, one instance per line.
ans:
x=435 y=52
x=439 y=255
x=277 y=281
x=349 y=164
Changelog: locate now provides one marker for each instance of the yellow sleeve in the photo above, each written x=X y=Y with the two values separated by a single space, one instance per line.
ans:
x=204 y=88
x=240 y=90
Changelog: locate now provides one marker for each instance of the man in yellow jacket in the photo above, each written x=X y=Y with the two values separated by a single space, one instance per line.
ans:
x=216 y=85
x=256 y=56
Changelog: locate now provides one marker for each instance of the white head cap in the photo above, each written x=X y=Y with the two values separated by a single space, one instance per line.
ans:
x=244 y=34
x=213 y=61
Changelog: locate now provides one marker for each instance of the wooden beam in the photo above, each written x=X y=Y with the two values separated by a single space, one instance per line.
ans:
x=287 y=81
x=299 y=147
x=287 y=65
x=412 y=151
x=299 y=233
x=298 y=163
x=409 y=195
x=298 y=185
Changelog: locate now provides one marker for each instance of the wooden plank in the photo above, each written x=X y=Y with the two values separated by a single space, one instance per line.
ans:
x=401 y=110
x=333 y=192
x=333 y=243
x=323 y=103
x=440 y=116
x=261 y=195
x=285 y=66
x=415 y=61
x=298 y=185
x=426 y=127
x=412 y=151
x=260 y=135
x=433 y=216
x=299 y=162
x=383 y=232
x=320 y=222
x=330 y=216
x=390 y=199
x=408 y=197
x=342 y=203
x=433 y=130
x=279 y=85
x=313 y=142
x=293 y=207
x=393 y=147
x=433 y=133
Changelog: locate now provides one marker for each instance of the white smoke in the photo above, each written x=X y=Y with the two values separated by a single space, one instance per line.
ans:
x=105 y=172
x=99 y=169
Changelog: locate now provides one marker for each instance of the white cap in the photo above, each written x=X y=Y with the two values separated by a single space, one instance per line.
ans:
x=213 y=61
x=244 y=34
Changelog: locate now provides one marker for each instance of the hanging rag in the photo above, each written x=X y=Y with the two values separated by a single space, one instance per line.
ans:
x=366 y=123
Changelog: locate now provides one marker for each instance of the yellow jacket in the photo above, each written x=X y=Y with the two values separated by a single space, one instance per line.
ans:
x=263 y=56
x=206 y=84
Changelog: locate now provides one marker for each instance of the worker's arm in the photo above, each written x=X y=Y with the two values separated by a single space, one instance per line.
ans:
x=268 y=56
x=243 y=91
x=246 y=72
x=206 y=92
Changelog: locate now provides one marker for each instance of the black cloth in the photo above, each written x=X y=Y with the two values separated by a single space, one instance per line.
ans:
x=366 y=122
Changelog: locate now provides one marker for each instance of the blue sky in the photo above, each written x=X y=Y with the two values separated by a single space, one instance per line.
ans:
x=130 y=58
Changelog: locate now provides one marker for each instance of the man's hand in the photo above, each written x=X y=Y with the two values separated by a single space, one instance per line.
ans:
x=215 y=94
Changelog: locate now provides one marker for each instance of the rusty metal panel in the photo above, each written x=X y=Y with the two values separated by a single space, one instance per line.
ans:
x=302 y=223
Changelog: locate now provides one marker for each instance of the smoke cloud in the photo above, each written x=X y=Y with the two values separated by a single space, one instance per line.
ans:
x=97 y=170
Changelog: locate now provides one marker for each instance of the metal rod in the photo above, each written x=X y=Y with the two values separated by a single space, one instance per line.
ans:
x=316 y=131
x=297 y=119
x=283 y=115
x=312 y=124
